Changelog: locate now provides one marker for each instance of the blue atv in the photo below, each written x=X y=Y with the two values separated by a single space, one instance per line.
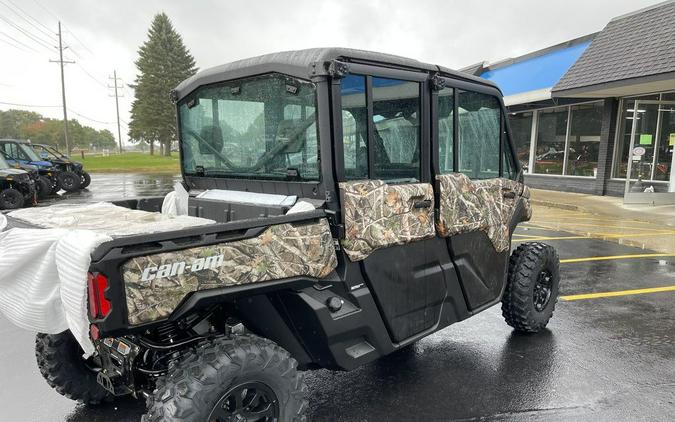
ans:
x=19 y=153
x=62 y=162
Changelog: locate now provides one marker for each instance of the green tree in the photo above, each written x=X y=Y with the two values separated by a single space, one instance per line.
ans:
x=163 y=62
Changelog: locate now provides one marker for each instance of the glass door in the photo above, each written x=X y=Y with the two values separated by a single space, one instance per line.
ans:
x=650 y=155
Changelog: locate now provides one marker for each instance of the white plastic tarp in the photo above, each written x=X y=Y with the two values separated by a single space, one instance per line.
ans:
x=43 y=272
x=253 y=198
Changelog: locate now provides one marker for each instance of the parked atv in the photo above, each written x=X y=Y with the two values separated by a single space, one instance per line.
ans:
x=398 y=236
x=17 y=188
x=62 y=162
x=18 y=153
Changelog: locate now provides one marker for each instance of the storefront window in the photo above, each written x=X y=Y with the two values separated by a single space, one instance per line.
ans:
x=584 y=140
x=666 y=142
x=551 y=131
x=521 y=130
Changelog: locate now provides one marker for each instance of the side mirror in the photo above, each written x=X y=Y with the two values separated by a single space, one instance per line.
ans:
x=44 y=154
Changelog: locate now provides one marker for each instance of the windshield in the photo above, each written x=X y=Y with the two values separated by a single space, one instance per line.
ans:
x=32 y=156
x=3 y=163
x=262 y=127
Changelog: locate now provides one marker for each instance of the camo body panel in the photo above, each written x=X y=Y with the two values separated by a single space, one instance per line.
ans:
x=378 y=215
x=467 y=206
x=281 y=251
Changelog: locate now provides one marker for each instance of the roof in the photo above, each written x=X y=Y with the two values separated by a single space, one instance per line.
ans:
x=632 y=49
x=531 y=77
x=305 y=64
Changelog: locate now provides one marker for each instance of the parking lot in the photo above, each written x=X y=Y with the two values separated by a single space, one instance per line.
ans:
x=609 y=352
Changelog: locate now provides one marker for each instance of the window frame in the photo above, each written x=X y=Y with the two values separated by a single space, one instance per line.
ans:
x=505 y=142
x=368 y=71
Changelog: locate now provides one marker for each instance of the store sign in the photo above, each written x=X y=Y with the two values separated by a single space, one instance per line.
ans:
x=646 y=139
x=671 y=140
x=639 y=151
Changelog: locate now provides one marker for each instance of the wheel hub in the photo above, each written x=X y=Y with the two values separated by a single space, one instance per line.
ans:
x=542 y=290
x=247 y=402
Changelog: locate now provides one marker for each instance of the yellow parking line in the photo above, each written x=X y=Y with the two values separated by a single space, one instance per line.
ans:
x=606 y=258
x=597 y=236
x=619 y=293
x=524 y=235
x=536 y=239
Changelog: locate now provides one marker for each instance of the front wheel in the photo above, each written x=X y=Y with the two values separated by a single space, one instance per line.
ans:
x=43 y=186
x=86 y=180
x=69 y=181
x=59 y=358
x=10 y=199
x=532 y=287
x=242 y=378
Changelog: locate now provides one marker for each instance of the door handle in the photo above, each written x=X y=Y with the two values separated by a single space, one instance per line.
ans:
x=422 y=204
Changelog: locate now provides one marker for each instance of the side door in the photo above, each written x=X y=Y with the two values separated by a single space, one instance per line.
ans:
x=478 y=198
x=387 y=198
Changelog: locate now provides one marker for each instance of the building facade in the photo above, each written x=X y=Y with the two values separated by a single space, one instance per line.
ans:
x=597 y=114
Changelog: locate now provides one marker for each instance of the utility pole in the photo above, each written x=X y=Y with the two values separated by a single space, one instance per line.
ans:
x=63 y=89
x=117 y=106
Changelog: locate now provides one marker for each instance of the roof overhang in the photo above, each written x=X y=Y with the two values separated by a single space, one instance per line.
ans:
x=528 y=97
x=622 y=88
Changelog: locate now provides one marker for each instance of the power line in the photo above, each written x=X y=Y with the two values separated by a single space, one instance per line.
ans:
x=14 y=45
x=79 y=41
x=27 y=105
x=89 y=118
x=25 y=16
x=32 y=37
x=94 y=78
x=19 y=42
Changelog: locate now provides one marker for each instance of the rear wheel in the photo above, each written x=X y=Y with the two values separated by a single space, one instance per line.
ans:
x=532 y=287
x=86 y=180
x=59 y=358
x=11 y=199
x=69 y=181
x=43 y=186
x=243 y=378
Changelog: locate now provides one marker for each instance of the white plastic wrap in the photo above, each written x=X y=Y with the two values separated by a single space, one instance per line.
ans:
x=176 y=202
x=253 y=198
x=3 y=222
x=43 y=272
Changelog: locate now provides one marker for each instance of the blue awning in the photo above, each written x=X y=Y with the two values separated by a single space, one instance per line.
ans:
x=537 y=72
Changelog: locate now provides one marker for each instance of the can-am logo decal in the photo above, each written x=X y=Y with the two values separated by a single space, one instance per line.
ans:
x=179 y=268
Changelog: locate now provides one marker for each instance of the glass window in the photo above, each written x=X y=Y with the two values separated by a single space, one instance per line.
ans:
x=551 y=130
x=446 y=109
x=396 y=120
x=354 y=127
x=645 y=132
x=521 y=131
x=584 y=139
x=479 y=134
x=262 y=127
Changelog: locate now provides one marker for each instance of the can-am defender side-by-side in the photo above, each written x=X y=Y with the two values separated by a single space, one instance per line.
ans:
x=410 y=191
x=62 y=162
x=17 y=187
x=20 y=152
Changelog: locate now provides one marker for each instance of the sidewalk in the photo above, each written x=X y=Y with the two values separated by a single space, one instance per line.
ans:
x=603 y=217
x=609 y=206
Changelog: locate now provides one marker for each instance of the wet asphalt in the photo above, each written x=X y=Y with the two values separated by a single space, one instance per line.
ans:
x=602 y=359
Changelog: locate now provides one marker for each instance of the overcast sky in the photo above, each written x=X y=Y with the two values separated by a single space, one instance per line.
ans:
x=105 y=35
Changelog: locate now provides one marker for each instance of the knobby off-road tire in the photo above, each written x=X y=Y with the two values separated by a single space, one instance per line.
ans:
x=69 y=181
x=532 y=287
x=86 y=180
x=11 y=199
x=211 y=377
x=43 y=186
x=59 y=358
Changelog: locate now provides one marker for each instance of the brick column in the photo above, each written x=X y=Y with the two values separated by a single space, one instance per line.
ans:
x=606 y=152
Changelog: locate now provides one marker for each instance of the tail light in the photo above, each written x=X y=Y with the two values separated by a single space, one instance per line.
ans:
x=99 y=306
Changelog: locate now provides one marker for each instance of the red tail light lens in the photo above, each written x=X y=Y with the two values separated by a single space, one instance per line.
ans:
x=99 y=306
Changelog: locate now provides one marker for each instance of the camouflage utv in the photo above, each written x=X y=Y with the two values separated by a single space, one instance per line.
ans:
x=411 y=193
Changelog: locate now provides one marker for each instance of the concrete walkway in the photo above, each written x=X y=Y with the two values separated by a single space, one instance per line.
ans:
x=603 y=217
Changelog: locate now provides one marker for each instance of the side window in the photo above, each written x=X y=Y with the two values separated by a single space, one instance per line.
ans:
x=396 y=120
x=479 y=134
x=354 y=127
x=446 y=125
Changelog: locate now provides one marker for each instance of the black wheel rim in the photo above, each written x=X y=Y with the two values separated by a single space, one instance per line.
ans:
x=68 y=182
x=542 y=290
x=247 y=402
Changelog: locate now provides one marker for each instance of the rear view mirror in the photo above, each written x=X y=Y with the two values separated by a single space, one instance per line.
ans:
x=44 y=154
x=212 y=140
